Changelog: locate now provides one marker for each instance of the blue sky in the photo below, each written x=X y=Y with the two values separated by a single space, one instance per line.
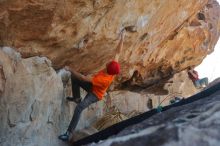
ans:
x=210 y=66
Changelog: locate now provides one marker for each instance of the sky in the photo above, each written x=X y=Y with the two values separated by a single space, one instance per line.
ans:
x=210 y=66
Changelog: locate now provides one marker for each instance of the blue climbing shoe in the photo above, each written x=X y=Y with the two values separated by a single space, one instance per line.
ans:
x=64 y=137
x=76 y=100
x=159 y=109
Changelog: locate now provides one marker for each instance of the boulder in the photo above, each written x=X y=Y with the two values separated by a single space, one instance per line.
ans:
x=33 y=109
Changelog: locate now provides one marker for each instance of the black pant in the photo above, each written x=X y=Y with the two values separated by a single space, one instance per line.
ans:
x=88 y=100
x=76 y=84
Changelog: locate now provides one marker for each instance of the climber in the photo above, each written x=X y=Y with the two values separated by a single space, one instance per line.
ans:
x=95 y=86
x=193 y=75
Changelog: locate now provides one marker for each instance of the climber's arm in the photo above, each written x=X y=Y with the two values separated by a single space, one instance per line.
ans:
x=78 y=75
x=120 y=45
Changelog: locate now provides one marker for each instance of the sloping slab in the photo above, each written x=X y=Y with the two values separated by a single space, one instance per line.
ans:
x=153 y=118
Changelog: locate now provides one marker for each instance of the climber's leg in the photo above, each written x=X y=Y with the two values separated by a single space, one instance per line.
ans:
x=204 y=81
x=197 y=84
x=76 y=84
x=88 y=100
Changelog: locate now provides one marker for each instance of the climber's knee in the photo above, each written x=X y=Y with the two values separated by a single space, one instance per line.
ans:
x=79 y=108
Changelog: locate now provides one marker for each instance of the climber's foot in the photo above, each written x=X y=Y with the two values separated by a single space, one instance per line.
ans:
x=64 y=137
x=73 y=99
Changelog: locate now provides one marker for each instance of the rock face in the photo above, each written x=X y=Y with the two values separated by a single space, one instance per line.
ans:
x=127 y=101
x=142 y=100
x=167 y=36
x=33 y=110
x=180 y=85
x=162 y=39
x=30 y=104
x=192 y=124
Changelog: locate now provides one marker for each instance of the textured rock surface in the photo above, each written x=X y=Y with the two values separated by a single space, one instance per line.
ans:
x=138 y=100
x=170 y=35
x=128 y=102
x=2 y=80
x=178 y=86
x=196 y=123
x=30 y=105
x=33 y=110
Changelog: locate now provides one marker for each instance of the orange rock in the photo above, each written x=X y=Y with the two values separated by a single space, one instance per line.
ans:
x=169 y=35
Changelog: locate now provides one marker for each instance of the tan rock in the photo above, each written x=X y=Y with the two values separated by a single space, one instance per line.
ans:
x=167 y=36
x=163 y=38
x=143 y=100
x=30 y=105
x=127 y=101
x=181 y=85
x=109 y=119
x=33 y=106
x=178 y=86
x=33 y=109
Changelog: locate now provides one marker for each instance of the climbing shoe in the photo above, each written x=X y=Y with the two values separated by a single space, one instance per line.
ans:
x=76 y=100
x=64 y=137
x=159 y=109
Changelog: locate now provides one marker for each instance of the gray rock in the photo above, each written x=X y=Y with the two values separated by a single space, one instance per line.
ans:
x=33 y=109
x=194 y=124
